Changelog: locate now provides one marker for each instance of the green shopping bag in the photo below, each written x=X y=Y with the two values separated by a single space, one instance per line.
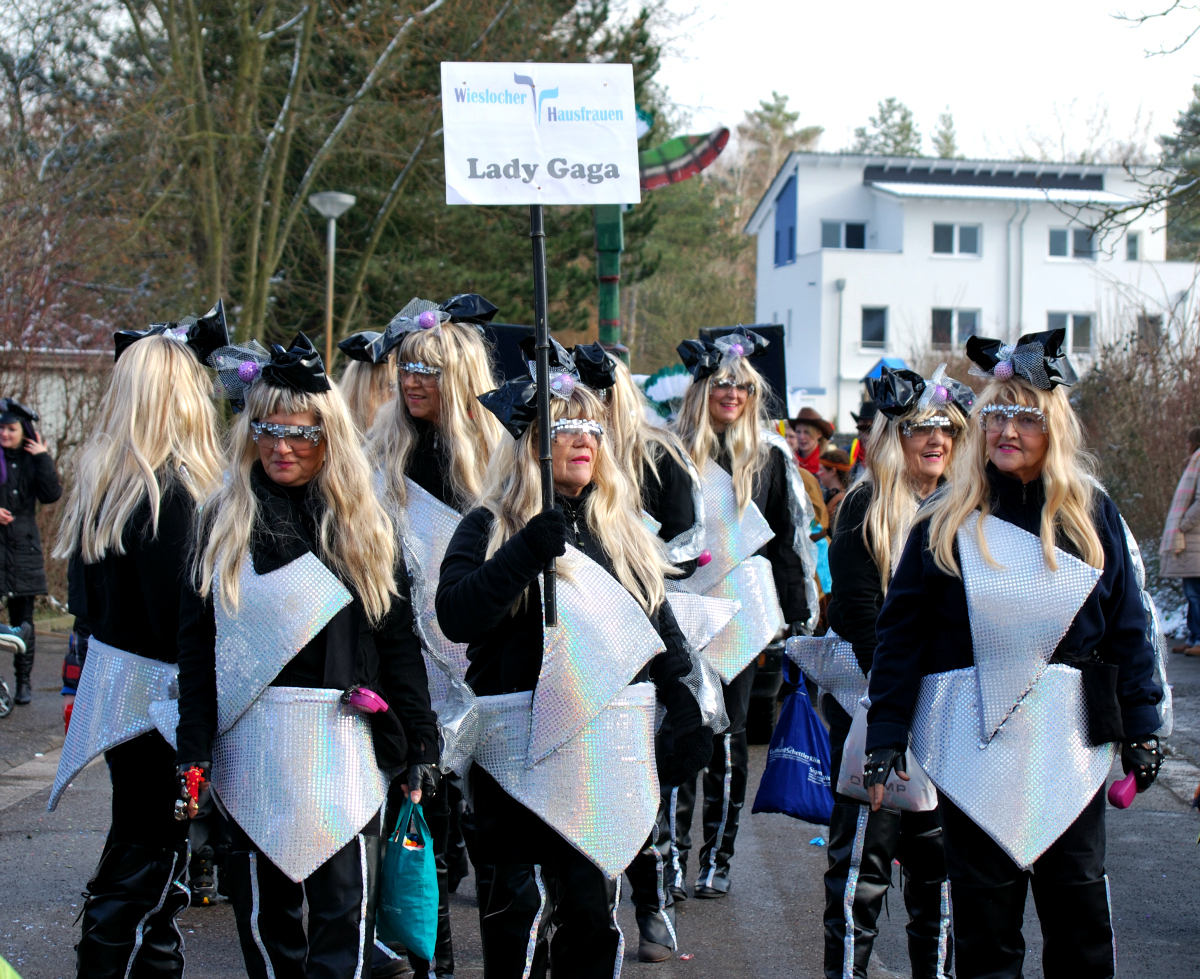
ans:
x=408 y=900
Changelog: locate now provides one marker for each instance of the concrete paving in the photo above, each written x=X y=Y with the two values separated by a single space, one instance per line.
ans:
x=769 y=927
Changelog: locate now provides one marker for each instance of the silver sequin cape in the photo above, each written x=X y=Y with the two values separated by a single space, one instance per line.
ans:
x=1006 y=739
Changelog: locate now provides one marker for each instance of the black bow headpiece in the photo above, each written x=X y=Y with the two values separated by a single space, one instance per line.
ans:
x=203 y=335
x=370 y=347
x=1039 y=358
x=703 y=358
x=898 y=392
x=596 y=368
x=11 y=410
x=299 y=367
x=469 y=307
x=515 y=403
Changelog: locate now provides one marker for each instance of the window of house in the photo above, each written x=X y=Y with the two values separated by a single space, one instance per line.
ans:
x=1132 y=243
x=953 y=326
x=1078 y=327
x=843 y=234
x=1149 y=331
x=1084 y=243
x=785 y=224
x=956 y=239
x=1058 y=242
x=874 y=326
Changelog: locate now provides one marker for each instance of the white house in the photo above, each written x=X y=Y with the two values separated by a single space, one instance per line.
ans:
x=861 y=257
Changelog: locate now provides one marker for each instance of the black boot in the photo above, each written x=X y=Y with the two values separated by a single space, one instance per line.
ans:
x=458 y=866
x=987 y=929
x=654 y=908
x=161 y=952
x=132 y=900
x=1076 y=929
x=443 y=955
x=681 y=805
x=518 y=913
x=202 y=875
x=268 y=908
x=842 y=825
x=23 y=668
x=926 y=895
x=724 y=797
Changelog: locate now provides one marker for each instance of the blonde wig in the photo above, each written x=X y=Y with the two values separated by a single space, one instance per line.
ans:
x=636 y=443
x=354 y=539
x=156 y=424
x=1067 y=476
x=469 y=431
x=513 y=495
x=368 y=387
x=894 y=496
x=747 y=450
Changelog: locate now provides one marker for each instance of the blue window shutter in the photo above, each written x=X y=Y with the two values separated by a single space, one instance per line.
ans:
x=785 y=223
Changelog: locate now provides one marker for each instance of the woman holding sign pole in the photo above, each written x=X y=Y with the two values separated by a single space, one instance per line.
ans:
x=757 y=516
x=1012 y=644
x=912 y=444
x=564 y=780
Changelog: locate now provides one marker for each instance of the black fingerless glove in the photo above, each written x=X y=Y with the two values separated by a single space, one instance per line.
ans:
x=691 y=753
x=546 y=535
x=880 y=763
x=1143 y=757
x=425 y=778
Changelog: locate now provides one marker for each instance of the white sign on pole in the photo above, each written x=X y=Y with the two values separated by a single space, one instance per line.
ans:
x=523 y=133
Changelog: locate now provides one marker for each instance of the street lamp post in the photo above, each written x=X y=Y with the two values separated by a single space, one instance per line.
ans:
x=332 y=205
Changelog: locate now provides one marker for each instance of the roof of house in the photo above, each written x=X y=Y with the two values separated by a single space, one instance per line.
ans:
x=1002 y=180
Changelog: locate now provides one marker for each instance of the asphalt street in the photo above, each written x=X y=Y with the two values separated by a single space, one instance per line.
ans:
x=770 y=926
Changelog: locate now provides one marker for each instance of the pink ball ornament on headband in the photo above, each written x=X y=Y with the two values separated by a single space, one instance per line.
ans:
x=1003 y=370
x=428 y=319
x=248 y=371
x=562 y=385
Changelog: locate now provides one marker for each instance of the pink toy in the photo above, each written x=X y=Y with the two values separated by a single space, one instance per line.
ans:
x=704 y=558
x=368 y=701
x=1121 y=793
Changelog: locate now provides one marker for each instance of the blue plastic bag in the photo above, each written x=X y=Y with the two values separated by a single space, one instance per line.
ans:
x=408 y=900
x=797 y=777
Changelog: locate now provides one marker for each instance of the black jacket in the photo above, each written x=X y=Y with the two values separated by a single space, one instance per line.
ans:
x=771 y=497
x=429 y=464
x=667 y=497
x=131 y=600
x=347 y=652
x=857 y=593
x=475 y=600
x=31 y=480
x=924 y=626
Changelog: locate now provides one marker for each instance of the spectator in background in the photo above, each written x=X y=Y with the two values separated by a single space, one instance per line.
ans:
x=812 y=434
x=27 y=477
x=834 y=477
x=1179 y=551
x=863 y=422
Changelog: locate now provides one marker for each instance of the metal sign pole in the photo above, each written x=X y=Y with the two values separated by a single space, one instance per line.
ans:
x=537 y=232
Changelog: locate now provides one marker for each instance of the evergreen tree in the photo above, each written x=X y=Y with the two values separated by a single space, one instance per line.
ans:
x=890 y=133
x=945 y=139
x=765 y=138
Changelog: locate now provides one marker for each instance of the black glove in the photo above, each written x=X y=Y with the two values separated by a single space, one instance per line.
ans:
x=203 y=801
x=880 y=763
x=1142 y=757
x=691 y=753
x=425 y=778
x=546 y=535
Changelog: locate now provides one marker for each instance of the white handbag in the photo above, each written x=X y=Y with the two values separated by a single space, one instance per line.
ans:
x=918 y=794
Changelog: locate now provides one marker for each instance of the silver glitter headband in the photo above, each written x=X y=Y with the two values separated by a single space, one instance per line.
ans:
x=937 y=421
x=310 y=432
x=580 y=425
x=419 y=367
x=1011 y=411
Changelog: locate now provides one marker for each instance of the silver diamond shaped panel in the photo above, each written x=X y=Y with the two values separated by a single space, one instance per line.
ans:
x=700 y=617
x=754 y=626
x=278 y=613
x=112 y=706
x=298 y=774
x=427 y=525
x=731 y=537
x=602 y=640
x=1019 y=611
x=1031 y=781
x=829 y=662
x=599 y=790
